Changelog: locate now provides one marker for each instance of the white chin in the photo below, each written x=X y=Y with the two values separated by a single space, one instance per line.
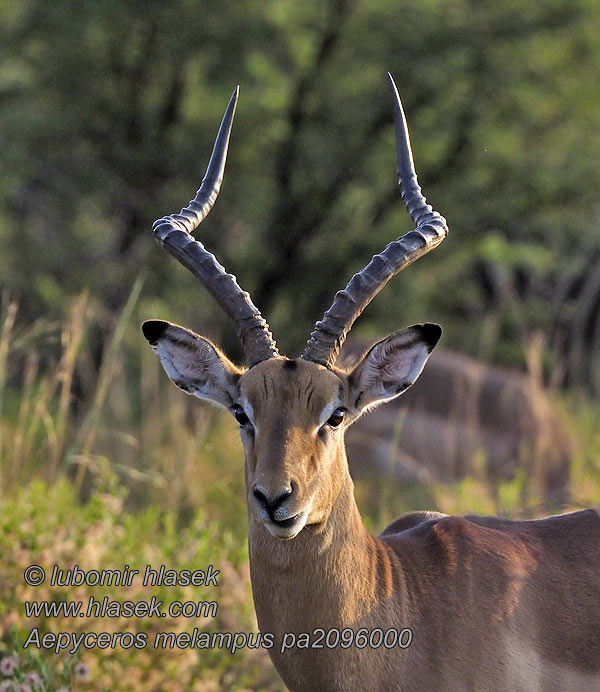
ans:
x=288 y=529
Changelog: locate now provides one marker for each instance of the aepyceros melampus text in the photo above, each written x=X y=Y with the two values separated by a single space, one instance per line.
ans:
x=492 y=604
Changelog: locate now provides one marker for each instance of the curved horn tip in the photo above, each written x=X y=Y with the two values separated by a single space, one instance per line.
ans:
x=393 y=87
x=398 y=108
x=231 y=106
x=230 y=110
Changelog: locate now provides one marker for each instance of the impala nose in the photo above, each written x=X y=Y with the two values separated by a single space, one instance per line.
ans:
x=271 y=502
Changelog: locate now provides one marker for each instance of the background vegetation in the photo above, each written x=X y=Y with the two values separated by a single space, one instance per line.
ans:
x=108 y=112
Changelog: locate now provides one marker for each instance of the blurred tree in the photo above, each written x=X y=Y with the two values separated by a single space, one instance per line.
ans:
x=108 y=113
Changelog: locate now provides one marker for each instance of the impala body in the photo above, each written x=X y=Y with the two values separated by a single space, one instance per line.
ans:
x=490 y=604
x=460 y=412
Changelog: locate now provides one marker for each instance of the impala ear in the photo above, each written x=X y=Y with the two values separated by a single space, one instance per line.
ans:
x=193 y=363
x=392 y=365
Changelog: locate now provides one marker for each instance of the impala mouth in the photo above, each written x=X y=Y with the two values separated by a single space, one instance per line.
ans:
x=287 y=528
x=286 y=523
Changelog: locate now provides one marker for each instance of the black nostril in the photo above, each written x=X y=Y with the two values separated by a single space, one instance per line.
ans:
x=278 y=501
x=271 y=505
x=261 y=498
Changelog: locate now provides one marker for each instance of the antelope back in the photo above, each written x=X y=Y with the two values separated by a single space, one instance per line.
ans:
x=464 y=417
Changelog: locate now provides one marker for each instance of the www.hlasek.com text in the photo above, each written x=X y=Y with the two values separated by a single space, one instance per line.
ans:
x=319 y=638
x=110 y=608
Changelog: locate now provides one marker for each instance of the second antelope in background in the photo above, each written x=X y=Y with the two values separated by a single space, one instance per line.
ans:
x=433 y=603
x=466 y=419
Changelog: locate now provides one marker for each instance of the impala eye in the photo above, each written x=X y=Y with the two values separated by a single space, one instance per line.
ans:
x=239 y=414
x=336 y=418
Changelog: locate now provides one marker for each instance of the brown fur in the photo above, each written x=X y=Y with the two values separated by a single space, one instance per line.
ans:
x=492 y=604
x=462 y=414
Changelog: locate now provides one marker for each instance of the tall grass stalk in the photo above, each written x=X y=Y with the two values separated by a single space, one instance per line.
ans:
x=72 y=339
x=82 y=446
x=8 y=314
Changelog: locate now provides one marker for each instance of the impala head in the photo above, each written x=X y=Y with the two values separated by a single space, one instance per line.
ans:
x=293 y=412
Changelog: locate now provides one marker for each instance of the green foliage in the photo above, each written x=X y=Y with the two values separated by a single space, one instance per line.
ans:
x=46 y=525
x=108 y=115
x=108 y=112
x=60 y=416
x=130 y=472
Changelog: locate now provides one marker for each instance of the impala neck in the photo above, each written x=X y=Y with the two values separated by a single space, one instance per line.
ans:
x=333 y=575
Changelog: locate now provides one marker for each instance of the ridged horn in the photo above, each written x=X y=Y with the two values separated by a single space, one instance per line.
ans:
x=174 y=234
x=330 y=333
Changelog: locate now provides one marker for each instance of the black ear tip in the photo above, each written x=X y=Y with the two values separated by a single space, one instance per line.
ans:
x=153 y=330
x=431 y=333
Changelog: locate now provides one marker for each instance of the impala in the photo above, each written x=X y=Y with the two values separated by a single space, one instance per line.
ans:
x=491 y=604
x=462 y=412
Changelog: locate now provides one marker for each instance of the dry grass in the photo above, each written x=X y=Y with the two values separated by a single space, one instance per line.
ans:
x=120 y=468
